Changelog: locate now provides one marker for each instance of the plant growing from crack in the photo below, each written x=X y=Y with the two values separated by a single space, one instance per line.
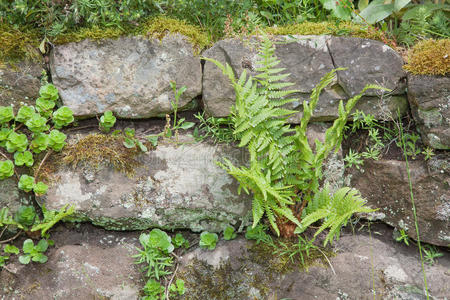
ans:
x=284 y=172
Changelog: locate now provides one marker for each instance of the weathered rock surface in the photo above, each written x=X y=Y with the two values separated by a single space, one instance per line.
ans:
x=429 y=98
x=19 y=83
x=363 y=266
x=129 y=76
x=12 y=198
x=385 y=185
x=85 y=265
x=174 y=186
x=307 y=59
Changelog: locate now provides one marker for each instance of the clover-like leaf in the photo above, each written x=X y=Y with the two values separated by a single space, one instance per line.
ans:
x=6 y=114
x=25 y=259
x=229 y=234
x=40 y=188
x=107 y=121
x=42 y=245
x=39 y=143
x=26 y=183
x=28 y=246
x=37 y=124
x=23 y=158
x=45 y=107
x=208 y=240
x=63 y=116
x=160 y=240
x=6 y=169
x=16 y=142
x=49 y=92
x=25 y=215
x=25 y=113
x=56 y=140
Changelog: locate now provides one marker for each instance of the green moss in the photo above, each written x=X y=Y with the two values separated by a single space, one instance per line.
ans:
x=97 y=149
x=429 y=57
x=16 y=44
x=311 y=28
x=157 y=27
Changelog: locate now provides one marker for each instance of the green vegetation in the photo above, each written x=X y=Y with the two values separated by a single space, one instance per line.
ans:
x=208 y=240
x=156 y=259
x=284 y=171
x=429 y=57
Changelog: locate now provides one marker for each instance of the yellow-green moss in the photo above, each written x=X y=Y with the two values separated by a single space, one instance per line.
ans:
x=311 y=28
x=97 y=149
x=93 y=33
x=18 y=44
x=429 y=57
x=157 y=27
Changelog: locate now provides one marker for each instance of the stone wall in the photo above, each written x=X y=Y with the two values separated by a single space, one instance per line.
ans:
x=131 y=77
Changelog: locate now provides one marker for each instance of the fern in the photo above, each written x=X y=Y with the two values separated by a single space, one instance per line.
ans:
x=283 y=168
x=335 y=210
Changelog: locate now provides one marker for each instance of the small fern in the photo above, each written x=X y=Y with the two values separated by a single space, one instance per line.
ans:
x=335 y=210
x=283 y=168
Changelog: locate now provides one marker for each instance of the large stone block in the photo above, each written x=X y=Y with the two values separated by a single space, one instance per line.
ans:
x=385 y=185
x=307 y=59
x=174 y=186
x=129 y=76
x=429 y=98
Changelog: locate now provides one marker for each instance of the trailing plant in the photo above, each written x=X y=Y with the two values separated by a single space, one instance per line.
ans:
x=284 y=172
x=208 y=240
x=29 y=132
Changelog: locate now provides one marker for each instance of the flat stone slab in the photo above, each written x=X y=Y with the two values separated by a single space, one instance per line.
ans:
x=385 y=185
x=429 y=98
x=307 y=59
x=361 y=267
x=174 y=186
x=129 y=76
x=83 y=264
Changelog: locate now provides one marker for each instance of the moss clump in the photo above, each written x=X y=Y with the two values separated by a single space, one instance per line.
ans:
x=311 y=28
x=18 y=44
x=429 y=57
x=159 y=27
x=93 y=33
x=97 y=149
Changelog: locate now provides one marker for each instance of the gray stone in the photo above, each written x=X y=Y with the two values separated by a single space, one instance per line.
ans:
x=385 y=185
x=360 y=267
x=79 y=266
x=20 y=83
x=129 y=76
x=174 y=186
x=307 y=59
x=367 y=61
x=429 y=98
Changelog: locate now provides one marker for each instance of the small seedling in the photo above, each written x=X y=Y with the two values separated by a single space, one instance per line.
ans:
x=208 y=240
x=178 y=287
x=402 y=236
x=431 y=254
x=34 y=253
x=229 y=234
x=179 y=241
x=107 y=121
x=259 y=234
x=428 y=153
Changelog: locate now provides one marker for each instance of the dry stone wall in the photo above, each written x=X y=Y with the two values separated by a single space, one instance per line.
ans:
x=131 y=77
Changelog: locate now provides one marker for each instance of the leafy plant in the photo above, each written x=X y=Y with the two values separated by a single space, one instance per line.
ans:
x=259 y=234
x=34 y=253
x=178 y=287
x=154 y=255
x=107 y=121
x=229 y=234
x=25 y=215
x=51 y=218
x=301 y=249
x=219 y=129
x=431 y=254
x=23 y=158
x=402 y=236
x=63 y=116
x=130 y=141
x=353 y=159
x=208 y=240
x=6 y=169
x=335 y=209
x=283 y=168
x=179 y=241
x=428 y=153
x=153 y=290
x=8 y=249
